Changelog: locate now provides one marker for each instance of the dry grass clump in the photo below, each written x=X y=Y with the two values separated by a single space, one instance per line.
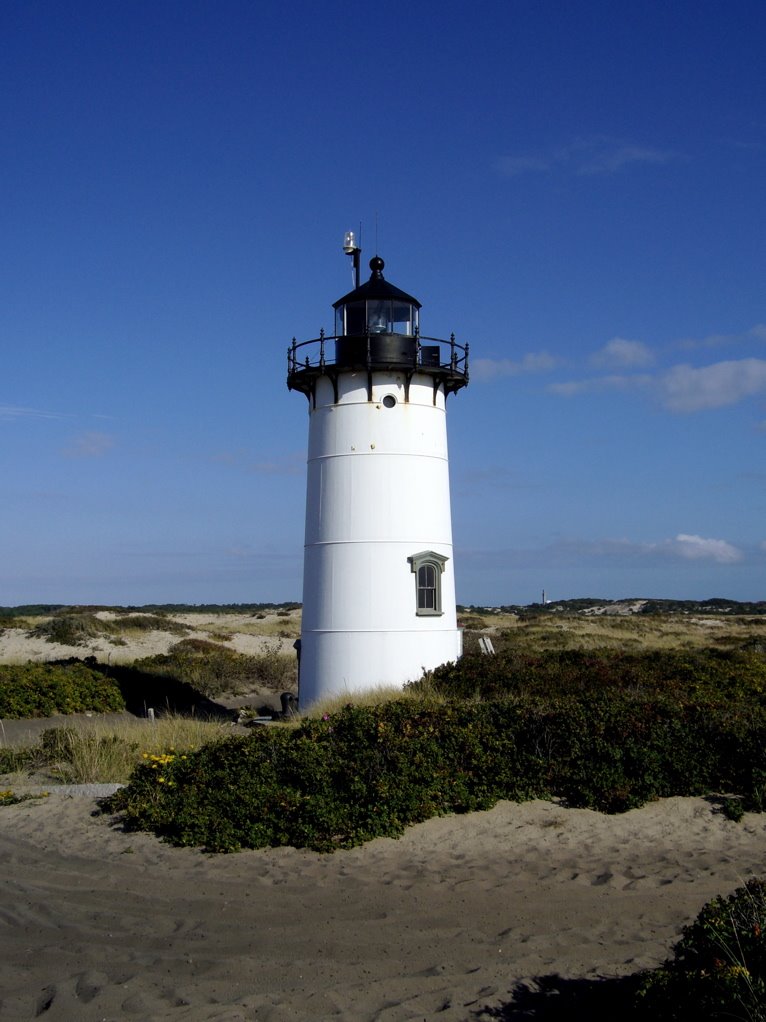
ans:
x=424 y=695
x=90 y=752
x=72 y=629
x=629 y=633
x=148 y=623
x=213 y=670
x=24 y=624
x=281 y=625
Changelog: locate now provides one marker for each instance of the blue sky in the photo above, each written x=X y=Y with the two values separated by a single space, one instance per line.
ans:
x=576 y=189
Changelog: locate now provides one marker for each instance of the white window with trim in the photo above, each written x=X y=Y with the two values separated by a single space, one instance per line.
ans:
x=428 y=568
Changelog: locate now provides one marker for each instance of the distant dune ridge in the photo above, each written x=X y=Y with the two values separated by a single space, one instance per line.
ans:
x=243 y=632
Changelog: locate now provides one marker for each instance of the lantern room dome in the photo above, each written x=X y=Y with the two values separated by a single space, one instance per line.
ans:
x=377 y=287
x=377 y=307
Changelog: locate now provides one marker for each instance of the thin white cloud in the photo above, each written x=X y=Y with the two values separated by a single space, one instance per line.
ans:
x=485 y=369
x=685 y=388
x=11 y=412
x=293 y=463
x=89 y=445
x=757 y=332
x=585 y=156
x=512 y=166
x=620 y=353
x=616 y=381
x=607 y=159
x=696 y=548
x=683 y=547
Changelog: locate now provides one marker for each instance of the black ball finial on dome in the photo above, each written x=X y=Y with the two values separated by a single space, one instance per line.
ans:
x=376 y=265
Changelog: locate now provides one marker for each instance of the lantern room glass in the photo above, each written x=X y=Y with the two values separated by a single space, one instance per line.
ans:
x=376 y=316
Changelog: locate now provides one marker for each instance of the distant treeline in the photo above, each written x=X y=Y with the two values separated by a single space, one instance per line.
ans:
x=46 y=609
x=714 y=606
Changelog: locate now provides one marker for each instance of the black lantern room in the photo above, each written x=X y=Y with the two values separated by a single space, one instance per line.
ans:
x=376 y=328
x=377 y=318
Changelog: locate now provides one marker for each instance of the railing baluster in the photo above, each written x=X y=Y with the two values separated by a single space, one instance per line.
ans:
x=313 y=362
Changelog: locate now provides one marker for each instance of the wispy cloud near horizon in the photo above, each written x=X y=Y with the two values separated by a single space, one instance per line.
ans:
x=620 y=353
x=12 y=412
x=290 y=464
x=485 y=369
x=685 y=388
x=587 y=156
x=757 y=332
x=89 y=445
x=698 y=548
x=682 y=547
x=596 y=384
x=682 y=388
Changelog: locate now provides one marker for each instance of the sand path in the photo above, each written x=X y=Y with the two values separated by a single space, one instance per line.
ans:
x=98 y=924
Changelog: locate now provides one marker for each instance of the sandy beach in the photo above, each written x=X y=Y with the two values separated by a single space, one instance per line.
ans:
x=454 y=921
x=99 y=924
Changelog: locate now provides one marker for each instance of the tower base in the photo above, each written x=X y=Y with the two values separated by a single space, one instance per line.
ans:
x=336 y=663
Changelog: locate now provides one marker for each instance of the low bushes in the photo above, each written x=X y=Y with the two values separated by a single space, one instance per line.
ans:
x=149 y=623
x=40 y=690
x=370 y=772
x=78 y=627
x=212 y=669
x=714 y=674
x=718 y=969
x=72 y=629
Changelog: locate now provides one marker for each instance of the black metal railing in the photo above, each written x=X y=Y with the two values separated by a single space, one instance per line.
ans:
x=426 y=354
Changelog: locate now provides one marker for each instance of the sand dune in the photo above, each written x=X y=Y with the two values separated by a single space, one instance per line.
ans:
x=101 y=924
x=239 y=632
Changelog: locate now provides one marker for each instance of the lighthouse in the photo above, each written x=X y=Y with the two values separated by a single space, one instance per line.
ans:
x=378 y=571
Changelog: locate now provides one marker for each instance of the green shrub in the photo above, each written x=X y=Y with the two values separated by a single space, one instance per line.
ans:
x=194 y=645
x=72 y=629
x=149 y=623
x=718 y=969
x=716 y=674
x=40 y=690
x=212 y=669
x=371 y=771
x=13 y=759
x=733 y=809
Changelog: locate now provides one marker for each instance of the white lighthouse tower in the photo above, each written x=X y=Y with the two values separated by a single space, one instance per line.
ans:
x=378 y=573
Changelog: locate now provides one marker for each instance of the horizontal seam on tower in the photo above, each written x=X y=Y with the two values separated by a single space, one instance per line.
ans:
x=378 y=454
x=379 y=631
x=377 y=542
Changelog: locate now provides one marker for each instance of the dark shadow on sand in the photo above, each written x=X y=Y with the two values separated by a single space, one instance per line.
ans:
x=555 y=999
x=143 y=691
